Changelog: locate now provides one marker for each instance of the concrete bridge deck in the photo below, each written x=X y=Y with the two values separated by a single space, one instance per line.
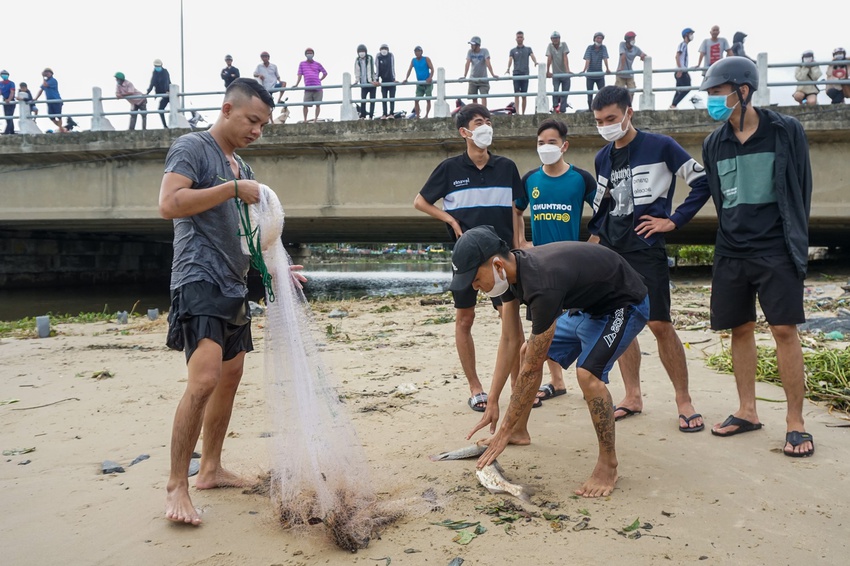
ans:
x=353 y=181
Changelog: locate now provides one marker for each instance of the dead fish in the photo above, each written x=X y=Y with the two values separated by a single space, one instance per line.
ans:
x=493 y=478
x=456 y=562
x=472 y=451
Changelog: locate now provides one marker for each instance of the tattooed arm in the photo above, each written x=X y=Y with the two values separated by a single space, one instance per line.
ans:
x=522 y=396
x=510 y=343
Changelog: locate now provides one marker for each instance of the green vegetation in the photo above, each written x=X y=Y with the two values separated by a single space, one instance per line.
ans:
x=25 y=327
x=827 y=372
x=691 y=255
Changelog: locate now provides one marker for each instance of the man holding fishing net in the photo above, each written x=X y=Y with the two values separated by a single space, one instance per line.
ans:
x=209 y=318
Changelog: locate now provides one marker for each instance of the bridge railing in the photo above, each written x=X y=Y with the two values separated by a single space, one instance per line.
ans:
x=195 y=103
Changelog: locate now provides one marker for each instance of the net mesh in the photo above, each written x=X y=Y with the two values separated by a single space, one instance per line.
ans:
x=319 y=473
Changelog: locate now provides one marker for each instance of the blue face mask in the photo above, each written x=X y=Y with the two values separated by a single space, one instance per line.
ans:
x=157 y=69
x=717 y=108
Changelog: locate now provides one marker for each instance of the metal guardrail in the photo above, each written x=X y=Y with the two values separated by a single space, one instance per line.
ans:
x=175 y=114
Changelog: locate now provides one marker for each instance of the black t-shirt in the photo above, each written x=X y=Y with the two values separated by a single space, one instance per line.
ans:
x=573 y=275
x=476 y=197
x=618 y=227
x=750 y=224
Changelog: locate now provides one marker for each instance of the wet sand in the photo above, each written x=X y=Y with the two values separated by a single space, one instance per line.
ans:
x=722 y=500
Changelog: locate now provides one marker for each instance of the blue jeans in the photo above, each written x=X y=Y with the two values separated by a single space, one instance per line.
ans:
x=564 y=84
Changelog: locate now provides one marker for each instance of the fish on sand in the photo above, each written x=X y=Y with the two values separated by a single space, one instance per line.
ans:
x=471 y=451
x=493 y=478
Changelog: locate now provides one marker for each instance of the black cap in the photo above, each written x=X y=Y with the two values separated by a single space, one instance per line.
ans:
x=472 y=249
x=734 y=70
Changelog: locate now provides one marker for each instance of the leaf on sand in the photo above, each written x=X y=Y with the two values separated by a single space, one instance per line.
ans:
x=17 y=451
x=584 y=512
x=480 y=529
x=9 y=401
x=635 y=525
x=582 y=525
x=463 y=537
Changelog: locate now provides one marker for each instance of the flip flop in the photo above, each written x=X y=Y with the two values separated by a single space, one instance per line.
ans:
x=688 y=421
x=743 y=426
x=796 y=438
x=476 y=401
x=549 y=391
x=629 y=413
x=538 y=402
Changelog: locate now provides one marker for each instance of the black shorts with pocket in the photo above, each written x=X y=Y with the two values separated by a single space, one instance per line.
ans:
x=199 y=310
x=651 y=264
x=735 y=283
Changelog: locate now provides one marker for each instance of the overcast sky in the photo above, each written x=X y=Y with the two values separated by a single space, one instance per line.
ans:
x=87 y=41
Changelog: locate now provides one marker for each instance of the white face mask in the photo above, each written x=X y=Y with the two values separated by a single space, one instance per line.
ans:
x=385 y=51
x=499 y=285
x=614 y=131
x=309 y=56
x=361 y=54
x=482 y=136
x=549 y=154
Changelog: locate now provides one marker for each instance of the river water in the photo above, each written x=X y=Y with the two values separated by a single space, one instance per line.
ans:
x=325 y=281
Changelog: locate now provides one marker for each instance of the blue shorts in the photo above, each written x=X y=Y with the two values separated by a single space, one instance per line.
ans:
x=54 y=108
x=597 y=341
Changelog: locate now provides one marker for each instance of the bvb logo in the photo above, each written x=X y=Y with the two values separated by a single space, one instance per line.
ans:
x=565 y=217
x=535 y=192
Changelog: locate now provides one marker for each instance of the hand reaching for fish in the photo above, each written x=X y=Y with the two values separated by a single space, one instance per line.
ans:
x=493 y=478
x=497 y=444
x=490 y=416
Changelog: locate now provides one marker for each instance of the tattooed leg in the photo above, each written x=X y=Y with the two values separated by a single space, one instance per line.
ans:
x=604 y=477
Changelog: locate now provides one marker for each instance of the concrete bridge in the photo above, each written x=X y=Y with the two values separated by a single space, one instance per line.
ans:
x=351 y=181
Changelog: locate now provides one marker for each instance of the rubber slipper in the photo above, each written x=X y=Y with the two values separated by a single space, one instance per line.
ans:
x=478 y=402
x=688 y=421
x=629 y=413
x=743 y=426
x=549 y=391
x=796 y=438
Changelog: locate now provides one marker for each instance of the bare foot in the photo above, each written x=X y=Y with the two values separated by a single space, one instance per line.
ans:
x=179 y=508
x=221 y=478
x=517 y=439
x=601 y=482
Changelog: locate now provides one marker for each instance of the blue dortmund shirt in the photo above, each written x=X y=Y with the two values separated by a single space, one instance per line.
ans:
x=556 y=203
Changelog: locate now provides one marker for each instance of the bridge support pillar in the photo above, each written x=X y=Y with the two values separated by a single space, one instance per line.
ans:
x=99 y=122
x=541 y=103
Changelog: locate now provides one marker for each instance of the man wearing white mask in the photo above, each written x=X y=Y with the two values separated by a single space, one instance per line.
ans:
x=606 y=304
x=556 y=193
x=477 y=188
x=636 y=176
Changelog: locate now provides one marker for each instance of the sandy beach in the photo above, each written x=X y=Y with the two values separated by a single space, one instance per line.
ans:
x=696 y=497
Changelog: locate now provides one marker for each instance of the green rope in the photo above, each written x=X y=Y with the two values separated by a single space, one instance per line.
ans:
x=256 y=254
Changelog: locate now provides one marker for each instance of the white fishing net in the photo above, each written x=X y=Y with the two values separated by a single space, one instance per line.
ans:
x=319 y=473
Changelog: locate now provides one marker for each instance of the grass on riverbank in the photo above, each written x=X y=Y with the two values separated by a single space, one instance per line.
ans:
x=25 y=327
x=827 y=372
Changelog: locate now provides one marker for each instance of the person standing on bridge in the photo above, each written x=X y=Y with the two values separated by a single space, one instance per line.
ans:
x=160 y=84
x=313 y=74
x=518 y=57
x=424 y=77
x=760 y=178
x=7 y=92
x=209 y=319
x=558 y=69
x=138 y=103
x=229 y=73
x=477 y=188
x=50 y=88
x=683 y=77
x=636 y=176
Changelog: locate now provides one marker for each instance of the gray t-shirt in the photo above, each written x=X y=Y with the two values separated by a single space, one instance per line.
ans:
x=557 y=55
x=207 y=246
x=479 y=62
x=631 y=54
x=713 y=51
x=521 y=55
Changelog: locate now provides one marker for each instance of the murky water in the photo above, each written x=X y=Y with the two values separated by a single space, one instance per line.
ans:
x=325 y=281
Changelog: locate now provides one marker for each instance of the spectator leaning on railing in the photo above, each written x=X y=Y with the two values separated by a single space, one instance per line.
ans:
x=136 y=98
x=50 y=88
x=160 y=83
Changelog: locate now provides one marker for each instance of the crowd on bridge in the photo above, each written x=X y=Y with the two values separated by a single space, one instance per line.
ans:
x=371 y=72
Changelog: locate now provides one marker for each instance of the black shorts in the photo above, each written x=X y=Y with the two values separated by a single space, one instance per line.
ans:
x=735 y=282
x=521 y=85
x=200 y=311
x=651 y=264
x=469 y=297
